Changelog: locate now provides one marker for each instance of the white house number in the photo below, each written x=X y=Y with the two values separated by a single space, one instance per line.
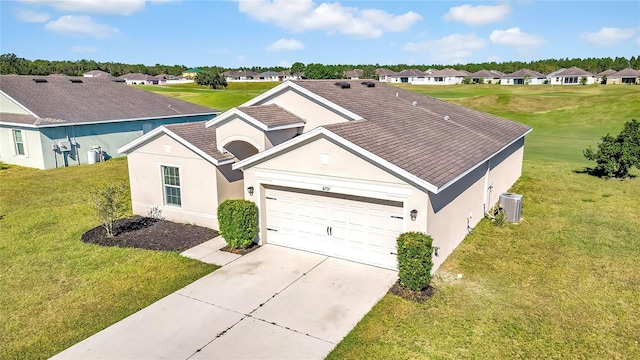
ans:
x=326 y=188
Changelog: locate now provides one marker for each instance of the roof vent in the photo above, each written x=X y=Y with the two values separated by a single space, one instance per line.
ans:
x=396 y=94
x=40 y=80
x=76 y=81
x=343 y=85
x=368 y=83
x=414 y=103
x=446 y=118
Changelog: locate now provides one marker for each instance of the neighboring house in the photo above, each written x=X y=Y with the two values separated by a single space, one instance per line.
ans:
x=383 y=74
x=135 y=78
x=48 y=122
x=486 y=77
x=240 y=75
x=354 y=74
x=408 y=76
x=287 y=75
x=191 y=73
x=523 y=77
x=98 y=74
x=445 y=77
x=268 y=76
x=604 y=76
x=571 y=76
x=626 y=76
x=335 y=167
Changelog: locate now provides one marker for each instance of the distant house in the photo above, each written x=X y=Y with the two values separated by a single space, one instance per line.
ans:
x=354 y=74
x=383 y=74
x=604 y=76
x=523 y=77
x=135 y=79
x=98 y=74
x=240 y=75
x=486 y=76
x=48 y=122
x=408 y=76
x=268 y=76
x=287 y=75
x=191 y=73
x=626 y=76
x=571 y=76
x=445 y=77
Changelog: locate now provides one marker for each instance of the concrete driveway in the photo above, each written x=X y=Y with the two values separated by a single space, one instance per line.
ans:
x=274 y=303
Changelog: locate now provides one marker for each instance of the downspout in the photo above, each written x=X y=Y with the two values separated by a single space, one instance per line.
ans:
x=53 y=140
x=75 y=144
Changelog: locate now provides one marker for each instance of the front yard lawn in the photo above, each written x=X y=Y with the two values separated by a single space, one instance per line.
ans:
x=56 y=290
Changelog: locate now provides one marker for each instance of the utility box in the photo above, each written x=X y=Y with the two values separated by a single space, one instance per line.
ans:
x=512 y=206
x=64 y=146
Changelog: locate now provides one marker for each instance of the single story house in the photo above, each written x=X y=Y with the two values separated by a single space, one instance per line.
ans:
x=486 y=76
x=445 y=77
x=383 y=74
x=268 y=76
x=408 y=76
x=625 y=76
x=337 y=167
x=49 y=122
x=240 y=75
x=603 y=77
x=98 y=73
x=354 y=74
x=523 y=77
x=571 y=76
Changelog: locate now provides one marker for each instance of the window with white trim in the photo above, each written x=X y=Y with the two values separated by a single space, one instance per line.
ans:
x=19 y=142
x=171 y=181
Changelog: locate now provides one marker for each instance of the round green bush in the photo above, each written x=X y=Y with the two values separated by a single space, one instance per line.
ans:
x=238 y=221
x=414 y=260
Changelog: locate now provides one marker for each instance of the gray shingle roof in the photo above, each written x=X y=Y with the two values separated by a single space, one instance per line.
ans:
x=486 y=74
x=201 y=137
x=573 y=71
x=410 y=72
x=606 y=72
x=92 y=100
x=523 y=72
x=434 y=140
x=628 y=72
x=271 y=115
x=449 y=72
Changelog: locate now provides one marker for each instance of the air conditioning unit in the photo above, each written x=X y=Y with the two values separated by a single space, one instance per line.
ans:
x=512 y=206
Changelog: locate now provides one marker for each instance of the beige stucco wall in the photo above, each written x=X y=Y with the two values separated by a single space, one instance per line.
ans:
x=458 y=208
x=313 y=113
x=9 y=106
x=33 y=148
x=237 y=129
x=201 y=182
x=344 y=173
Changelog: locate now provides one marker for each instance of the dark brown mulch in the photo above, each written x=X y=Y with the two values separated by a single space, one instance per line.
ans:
x=417 y=296
x=151 y=234
x=251 y=247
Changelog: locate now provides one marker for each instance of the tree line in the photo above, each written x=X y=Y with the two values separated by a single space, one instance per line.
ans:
x=12 y=64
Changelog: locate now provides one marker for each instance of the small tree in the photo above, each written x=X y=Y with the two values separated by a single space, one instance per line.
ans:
x=414 y=260
x=527 y=79
x=467 y=80
x=583 y=80
x=238 y=220
x=604 y=79
x=615 y=156
x=110 y=203
x=213 y=79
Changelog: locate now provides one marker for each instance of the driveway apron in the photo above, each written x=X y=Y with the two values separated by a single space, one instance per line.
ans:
x=273 y=303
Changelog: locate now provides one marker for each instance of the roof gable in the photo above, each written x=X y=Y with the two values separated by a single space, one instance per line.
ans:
x=264 y=117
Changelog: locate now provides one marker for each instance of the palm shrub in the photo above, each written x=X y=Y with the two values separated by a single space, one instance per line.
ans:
x=414 y=260
x=616 y=155
x=238 y=221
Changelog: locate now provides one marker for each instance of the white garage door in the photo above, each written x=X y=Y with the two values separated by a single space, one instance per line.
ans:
x=354 y=228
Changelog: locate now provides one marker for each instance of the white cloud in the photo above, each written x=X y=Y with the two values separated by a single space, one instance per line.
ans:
x=81 y=26
x=106 y=7
x=515 y=37
x=286 y=45
x=332 y=18
x=455 y=48
x=285 y=64
x=84 y=49
x=31 y=16
x=609 y=36
x=478 y=15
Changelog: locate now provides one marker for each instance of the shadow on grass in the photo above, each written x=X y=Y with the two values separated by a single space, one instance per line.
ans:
x=600 y=174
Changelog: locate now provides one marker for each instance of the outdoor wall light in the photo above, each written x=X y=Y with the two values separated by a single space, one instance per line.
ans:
x=414 y=214
x=250 y=190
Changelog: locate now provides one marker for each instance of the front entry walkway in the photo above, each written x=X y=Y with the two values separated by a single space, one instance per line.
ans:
x=272 y=303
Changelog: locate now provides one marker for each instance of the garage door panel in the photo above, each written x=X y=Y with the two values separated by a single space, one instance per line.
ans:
x=353 y=228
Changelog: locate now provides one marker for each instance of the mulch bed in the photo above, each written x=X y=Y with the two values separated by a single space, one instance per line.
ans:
x=251 y=247
x=417 y=296
x=151 y=234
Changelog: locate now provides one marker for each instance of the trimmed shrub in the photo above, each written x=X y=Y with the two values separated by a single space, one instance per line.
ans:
x=414 y=260
x=238 y=220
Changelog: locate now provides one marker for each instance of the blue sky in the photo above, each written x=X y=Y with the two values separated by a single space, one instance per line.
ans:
x=274 y=32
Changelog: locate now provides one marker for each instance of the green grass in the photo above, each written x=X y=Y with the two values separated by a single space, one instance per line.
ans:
x=561 y=284
x=234 y=95
x=56 y=290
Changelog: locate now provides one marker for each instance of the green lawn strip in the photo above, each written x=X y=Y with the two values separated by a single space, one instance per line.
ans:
x=562 y=284
x=55 y=289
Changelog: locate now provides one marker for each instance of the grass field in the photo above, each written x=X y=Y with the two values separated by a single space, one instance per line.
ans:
x=235 y=94
x=54 y=289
